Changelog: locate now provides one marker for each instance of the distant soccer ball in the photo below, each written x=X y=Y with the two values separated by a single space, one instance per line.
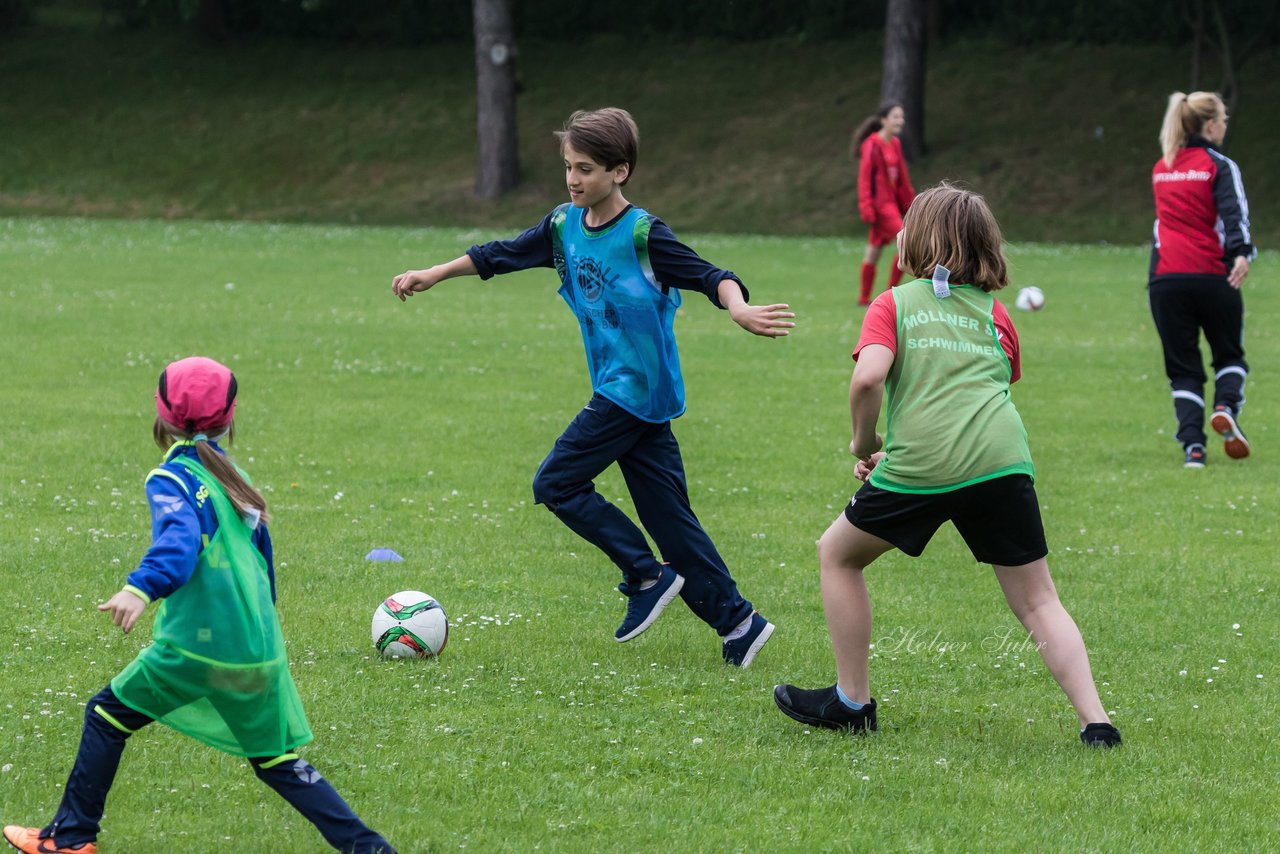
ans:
x=410 y=624
x=1030 y=298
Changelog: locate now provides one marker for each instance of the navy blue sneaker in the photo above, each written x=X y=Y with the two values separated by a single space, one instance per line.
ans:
x=822 y=707
x=1195 y=457
x=1100 y=735
x=742 y=651
x=645 y=606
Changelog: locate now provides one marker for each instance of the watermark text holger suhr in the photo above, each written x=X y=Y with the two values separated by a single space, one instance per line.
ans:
x=918 y=641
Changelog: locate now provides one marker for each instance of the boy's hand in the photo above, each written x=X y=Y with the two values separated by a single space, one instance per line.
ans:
x=770 y=321
x=863 y=469
x=125 y=608
x=411 y=282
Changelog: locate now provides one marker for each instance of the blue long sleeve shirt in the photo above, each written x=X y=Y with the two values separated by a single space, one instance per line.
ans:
x=182 y=522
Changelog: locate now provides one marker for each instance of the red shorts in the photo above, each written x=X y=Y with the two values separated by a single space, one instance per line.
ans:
x=884 y=230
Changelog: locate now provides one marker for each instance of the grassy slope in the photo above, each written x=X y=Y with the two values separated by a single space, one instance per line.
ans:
x=737 y=138
x=418 y=427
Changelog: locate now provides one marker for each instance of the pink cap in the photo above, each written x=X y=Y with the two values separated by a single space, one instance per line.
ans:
x=196 y=394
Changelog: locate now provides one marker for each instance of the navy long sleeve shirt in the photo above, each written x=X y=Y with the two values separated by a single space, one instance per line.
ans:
x=675 y=265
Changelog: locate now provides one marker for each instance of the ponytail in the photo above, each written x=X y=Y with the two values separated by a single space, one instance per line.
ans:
x=242 y=495
x=871 y=124
x=1186 y=116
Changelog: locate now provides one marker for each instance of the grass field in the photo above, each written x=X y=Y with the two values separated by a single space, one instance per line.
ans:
x=736 y=138
x=417 y=427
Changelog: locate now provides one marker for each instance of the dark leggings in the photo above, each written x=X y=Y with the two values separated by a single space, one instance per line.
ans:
x=108 y=723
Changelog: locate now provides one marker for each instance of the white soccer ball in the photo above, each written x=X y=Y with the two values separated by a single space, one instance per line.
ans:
x=1030 y=298
x=410 y=624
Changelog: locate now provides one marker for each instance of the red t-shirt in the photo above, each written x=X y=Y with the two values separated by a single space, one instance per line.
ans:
x=880 y=326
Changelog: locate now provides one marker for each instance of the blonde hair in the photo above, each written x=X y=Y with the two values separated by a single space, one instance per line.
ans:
x=1186 y=116
x=242 y=495
x=953 y=227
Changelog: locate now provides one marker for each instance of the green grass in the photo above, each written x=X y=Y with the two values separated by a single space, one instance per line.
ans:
x=418 y=427
x=737 y=138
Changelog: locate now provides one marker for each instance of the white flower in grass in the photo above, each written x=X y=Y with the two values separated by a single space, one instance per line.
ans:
x=697 y=741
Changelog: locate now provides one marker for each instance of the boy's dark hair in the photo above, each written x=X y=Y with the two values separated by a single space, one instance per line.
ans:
x=608 y=136
x=953 y=227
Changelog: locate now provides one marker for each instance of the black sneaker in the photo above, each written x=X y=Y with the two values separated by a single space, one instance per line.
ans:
x=1100 y=735
x=1195 y=457
x=1224 y=424
x=823 y=708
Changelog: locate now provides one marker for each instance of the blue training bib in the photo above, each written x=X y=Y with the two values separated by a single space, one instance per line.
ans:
x=625 y=317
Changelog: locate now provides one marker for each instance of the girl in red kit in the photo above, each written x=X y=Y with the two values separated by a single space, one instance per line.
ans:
x=1200 y=254
x=884 y=188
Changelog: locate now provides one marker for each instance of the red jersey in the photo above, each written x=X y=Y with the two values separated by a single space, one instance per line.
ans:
x=882 y=177
x=880 y=326
x=1202 y=215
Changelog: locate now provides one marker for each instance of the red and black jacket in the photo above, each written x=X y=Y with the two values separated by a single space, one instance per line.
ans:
x=1202 y=215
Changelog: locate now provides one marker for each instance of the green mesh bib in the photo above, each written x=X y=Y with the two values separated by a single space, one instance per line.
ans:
x=217 y=669
x=951 y=421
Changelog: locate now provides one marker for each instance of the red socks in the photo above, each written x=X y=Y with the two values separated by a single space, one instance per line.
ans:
x=868 y=279
x=895 y=273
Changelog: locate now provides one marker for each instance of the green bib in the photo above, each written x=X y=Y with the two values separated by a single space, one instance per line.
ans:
x=951 y=421
x=217 y=669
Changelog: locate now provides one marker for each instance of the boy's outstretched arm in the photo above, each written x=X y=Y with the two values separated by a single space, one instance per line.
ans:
x=770 y=321
x=411 y=282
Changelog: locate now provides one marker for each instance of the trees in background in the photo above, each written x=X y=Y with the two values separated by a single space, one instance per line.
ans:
x=498 y=164
x=904 y=68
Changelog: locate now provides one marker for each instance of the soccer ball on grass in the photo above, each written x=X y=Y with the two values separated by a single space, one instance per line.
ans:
x=410 y=624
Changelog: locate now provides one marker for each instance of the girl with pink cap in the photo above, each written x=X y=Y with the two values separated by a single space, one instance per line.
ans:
x=216 y=669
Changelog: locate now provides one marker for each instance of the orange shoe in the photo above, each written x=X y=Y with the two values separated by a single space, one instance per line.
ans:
x=27 y=840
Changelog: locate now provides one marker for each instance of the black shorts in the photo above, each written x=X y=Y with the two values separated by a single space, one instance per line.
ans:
x=999 y=519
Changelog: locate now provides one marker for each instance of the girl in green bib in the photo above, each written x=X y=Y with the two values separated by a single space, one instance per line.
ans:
x=216 y=669
x=945 y=352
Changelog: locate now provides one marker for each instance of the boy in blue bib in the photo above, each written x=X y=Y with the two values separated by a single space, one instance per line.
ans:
x=621 y=271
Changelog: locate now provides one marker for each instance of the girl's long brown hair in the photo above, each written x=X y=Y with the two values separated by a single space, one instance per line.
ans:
x=870 y=125
x=242 y=495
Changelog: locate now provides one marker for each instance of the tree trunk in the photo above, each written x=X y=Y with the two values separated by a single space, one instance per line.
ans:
x=1229 y=92
x=498 y=164
x=1194 y=16
x=903 y=80
x=211 y=20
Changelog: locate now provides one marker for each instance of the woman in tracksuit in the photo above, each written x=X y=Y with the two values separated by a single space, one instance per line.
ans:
x=1199 y=258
